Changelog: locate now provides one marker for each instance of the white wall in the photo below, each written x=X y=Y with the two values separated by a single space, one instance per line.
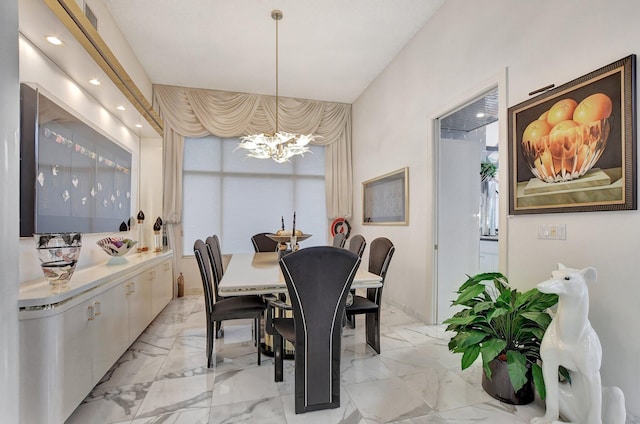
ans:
x=9 y=213
x=37 y=68
x=461 y=49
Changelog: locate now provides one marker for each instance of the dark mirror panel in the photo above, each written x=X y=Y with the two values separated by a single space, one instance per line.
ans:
x=72 y=177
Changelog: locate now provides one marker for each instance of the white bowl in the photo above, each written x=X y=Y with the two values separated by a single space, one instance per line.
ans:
x=116 y=246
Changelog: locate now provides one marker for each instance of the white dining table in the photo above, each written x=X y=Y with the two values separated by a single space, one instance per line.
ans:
x=259 y=273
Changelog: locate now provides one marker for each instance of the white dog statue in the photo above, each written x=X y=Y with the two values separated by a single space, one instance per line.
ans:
x=570 y=341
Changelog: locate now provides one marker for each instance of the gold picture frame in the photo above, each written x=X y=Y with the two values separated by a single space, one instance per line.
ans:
x=573 y=148
x=385 y=199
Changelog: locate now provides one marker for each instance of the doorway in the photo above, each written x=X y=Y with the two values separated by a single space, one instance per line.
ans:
x=467 y=196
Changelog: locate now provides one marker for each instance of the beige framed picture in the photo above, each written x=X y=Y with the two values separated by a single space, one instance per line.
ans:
x=385 y=199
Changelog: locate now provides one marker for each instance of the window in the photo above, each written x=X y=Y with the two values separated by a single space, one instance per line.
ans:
x=228 y=194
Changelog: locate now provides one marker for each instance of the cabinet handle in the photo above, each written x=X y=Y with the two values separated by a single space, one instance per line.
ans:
x=91 y=313
x=128 y=288
x=132 y=287
x=166 y=267
x=97 y=309
x=152 y=274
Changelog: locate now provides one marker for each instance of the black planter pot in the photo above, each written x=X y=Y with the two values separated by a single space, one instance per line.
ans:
x=500 y=387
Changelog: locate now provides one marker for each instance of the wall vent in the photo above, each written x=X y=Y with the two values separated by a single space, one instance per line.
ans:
x=89 y=14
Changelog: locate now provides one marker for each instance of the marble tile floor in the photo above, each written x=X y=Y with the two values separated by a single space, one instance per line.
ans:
x=163 y=378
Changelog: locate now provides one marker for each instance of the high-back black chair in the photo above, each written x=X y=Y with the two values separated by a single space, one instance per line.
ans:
x=357 y=243
x=217 y=272
x=339 y=239
x=214 y=253
x=240 y=307
x=262 y=243
x=318 y=280
x=380 y=254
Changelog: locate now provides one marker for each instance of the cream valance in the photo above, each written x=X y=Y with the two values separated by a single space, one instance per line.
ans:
x=191 y=112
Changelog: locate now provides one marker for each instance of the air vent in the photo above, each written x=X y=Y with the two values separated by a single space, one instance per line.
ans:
x=89 y=14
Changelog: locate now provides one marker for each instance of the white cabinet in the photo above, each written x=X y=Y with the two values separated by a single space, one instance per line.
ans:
x=161 y=287
x=110 y=329
x=74 y=348
x=138 y=296
x=67 y=344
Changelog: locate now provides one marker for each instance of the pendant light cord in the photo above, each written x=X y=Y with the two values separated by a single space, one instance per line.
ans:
x=277 y=15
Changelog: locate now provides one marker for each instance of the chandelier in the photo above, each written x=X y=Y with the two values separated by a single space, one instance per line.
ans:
x=279 y=146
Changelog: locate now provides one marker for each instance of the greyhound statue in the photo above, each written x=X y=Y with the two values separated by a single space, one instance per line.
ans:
x=570 y=341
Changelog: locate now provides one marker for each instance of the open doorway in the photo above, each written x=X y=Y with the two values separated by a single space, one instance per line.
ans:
x=467 y=210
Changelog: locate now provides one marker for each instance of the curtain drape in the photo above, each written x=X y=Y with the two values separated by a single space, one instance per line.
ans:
x=191 y=112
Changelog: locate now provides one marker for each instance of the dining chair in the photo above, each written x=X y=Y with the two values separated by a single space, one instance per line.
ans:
x=380 y=254
x=214 y=252
x=239 y=307
x=318 y=280
x=357 y=243
x=217 y=272
x=339 y=240
x=262 y=243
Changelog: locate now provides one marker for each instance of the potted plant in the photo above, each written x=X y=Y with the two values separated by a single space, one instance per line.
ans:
x=505 y=327
x=488 y=170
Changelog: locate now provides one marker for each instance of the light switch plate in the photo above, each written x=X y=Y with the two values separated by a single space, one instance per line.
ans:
x=552 y=231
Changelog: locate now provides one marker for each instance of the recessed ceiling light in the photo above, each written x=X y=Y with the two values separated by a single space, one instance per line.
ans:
x=138 y=125
x=54 y=40
x=121 y=107
x=480 y=115
x=94 y=81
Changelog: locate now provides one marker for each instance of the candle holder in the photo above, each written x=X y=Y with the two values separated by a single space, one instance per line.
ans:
x=157 y=236
x=142 y=246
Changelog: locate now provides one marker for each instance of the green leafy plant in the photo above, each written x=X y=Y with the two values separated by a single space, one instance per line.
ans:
x=488 y=170
x=500 y=322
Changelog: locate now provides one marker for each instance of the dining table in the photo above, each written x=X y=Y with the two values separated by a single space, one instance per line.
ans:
x=259 y=274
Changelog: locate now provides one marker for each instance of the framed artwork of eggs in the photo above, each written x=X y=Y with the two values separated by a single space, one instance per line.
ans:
x=573 y=148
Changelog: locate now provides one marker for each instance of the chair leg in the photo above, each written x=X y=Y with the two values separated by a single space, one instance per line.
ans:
x=278 y=357
x=351 y=321
x=210 y=330
x=219 y=332
x=372 y=324
x=257 y=330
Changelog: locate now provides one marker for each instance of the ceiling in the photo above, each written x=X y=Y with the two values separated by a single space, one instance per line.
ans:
x=476 y=114
x=329 y=50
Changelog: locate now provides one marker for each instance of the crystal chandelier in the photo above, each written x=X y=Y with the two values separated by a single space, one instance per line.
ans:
x=279 y=146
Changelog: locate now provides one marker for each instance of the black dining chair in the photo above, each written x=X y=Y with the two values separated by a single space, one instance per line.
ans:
x=339 y=240
x=262 y=243
x=380 y=254
x=318 y=280
x=239 y=307
x=357 y=243
x=217 y=272
x=214 y=252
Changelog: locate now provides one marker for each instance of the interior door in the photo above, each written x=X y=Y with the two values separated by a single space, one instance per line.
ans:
x=458 y=240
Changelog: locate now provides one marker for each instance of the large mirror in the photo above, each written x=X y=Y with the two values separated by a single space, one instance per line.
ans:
x=73 y=178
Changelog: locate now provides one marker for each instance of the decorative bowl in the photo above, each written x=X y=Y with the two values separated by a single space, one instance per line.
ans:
x=58 y=254
x=285 y=238
x=116 y=246
x=567 y=154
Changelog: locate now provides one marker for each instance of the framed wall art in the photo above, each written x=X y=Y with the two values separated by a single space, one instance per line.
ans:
x=72 y=178
x=573 y=149
x=385 y=199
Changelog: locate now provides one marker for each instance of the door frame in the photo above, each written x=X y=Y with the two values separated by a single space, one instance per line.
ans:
x=455 y=103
